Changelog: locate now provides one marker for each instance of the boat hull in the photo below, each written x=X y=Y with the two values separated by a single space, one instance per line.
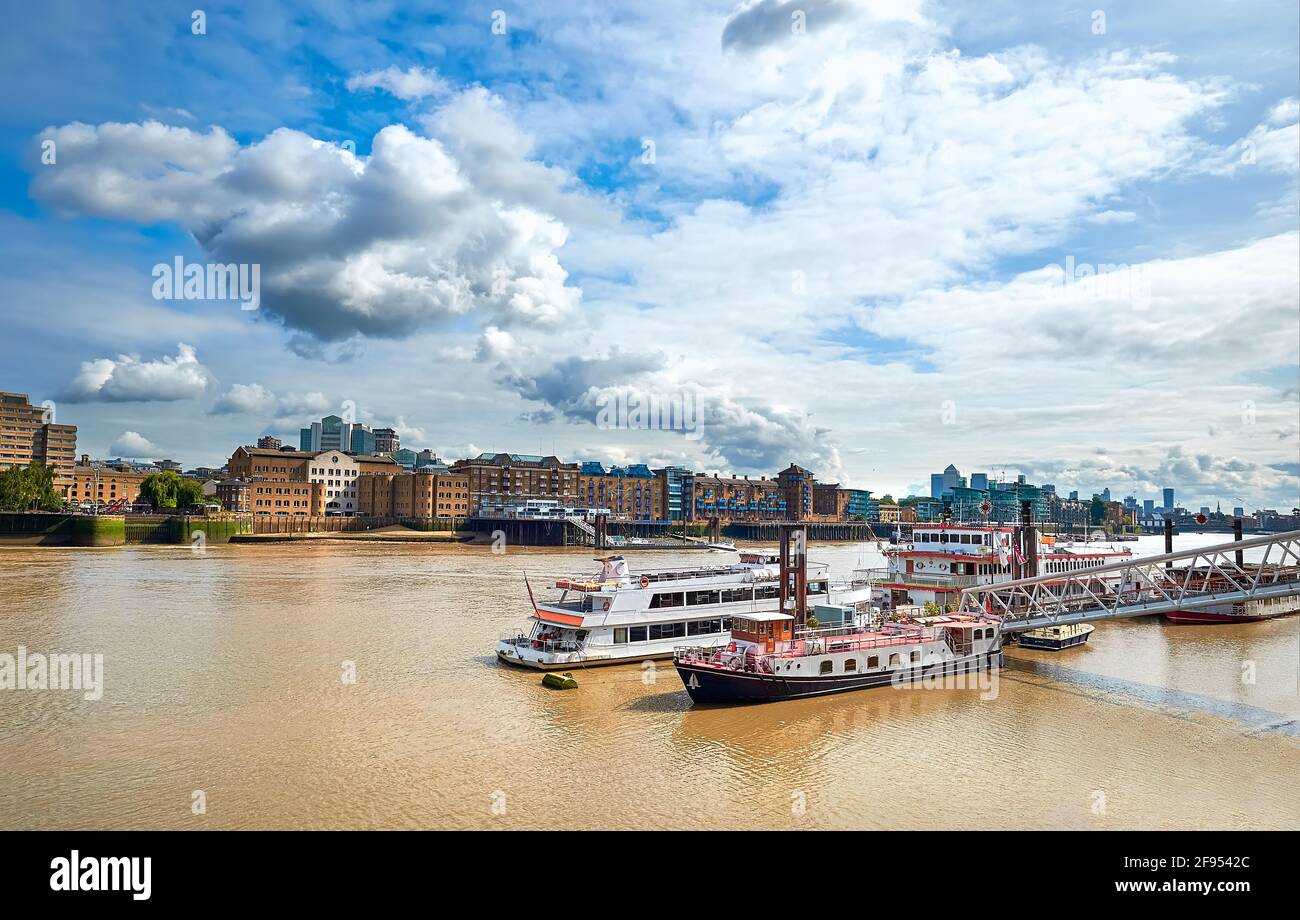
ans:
x=715 y=685
x=1054 y=645
x=1208 y=617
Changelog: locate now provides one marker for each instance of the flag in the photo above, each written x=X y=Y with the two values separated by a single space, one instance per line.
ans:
x=1004 y=553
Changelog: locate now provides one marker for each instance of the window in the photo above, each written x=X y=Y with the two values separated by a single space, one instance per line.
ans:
x=620 y=635
x=672 y=599
x=696 y=598
x=828 y=667
x=895 y=661
x=732 y=595
x=636 y=634
x=667 y=630
x=873 y=662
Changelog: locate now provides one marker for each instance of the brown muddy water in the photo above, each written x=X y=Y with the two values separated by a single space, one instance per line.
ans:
x=223 y=675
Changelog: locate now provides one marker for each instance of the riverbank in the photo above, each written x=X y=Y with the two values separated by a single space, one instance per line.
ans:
x=395 y=534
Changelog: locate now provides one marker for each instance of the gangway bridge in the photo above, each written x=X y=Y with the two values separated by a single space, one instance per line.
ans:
x=1185 y=580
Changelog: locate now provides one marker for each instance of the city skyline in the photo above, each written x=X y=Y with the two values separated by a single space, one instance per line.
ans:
x=827 y=239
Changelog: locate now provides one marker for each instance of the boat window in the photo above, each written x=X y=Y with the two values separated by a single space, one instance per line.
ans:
x=636 y=634
x=766 y=592
x=620 y=635
x=696 y=598
x=828 y=667
x=731 y=595
x=873 y=662
x=668 y=599
x=850 y=664
x=895 y=661
x=726 y=624
x=667 y=630
x=703 y=627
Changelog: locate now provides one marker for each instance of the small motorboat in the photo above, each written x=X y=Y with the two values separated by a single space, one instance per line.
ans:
x=1055 y=638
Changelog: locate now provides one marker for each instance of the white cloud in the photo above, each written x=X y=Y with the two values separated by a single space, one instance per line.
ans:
x=135 y=445
x=378 y=246
x=255 y=399
x=409 y=85
x=127 y=378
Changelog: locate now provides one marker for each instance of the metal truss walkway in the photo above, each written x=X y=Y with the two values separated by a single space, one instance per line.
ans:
x=1185 y=580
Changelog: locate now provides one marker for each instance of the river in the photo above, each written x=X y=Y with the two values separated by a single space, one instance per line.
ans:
x=224 y=685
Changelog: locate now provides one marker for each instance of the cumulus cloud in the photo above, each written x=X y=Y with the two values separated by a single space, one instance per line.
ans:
x=760 y=23
x=1200 y=477
x=410 y=84
x=376 y=246
x=127 y=378
x=255 y=399
x=135 y=445
x=741 y=434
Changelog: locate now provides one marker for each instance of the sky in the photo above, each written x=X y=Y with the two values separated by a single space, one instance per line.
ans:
x=871 y=238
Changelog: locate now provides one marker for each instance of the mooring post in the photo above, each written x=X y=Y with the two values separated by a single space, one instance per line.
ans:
x=1169 y=537
x=1236 y=535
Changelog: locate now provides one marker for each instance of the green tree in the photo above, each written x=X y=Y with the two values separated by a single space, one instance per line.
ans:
x=169 y=489
x=887 y=499
x=29 y=488
x=1098 y=511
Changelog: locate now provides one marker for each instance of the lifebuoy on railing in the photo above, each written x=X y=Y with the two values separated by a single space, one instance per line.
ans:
x=645 y=581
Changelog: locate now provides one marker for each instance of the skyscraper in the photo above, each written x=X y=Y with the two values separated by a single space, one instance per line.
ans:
x=944 y=482
x=1169 y=499
x=979 y=481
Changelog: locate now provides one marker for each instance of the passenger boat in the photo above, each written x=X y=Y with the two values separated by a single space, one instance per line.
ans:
x=615 y=617
x=1056 y=638
x=767 y=659
x=1251 y=611
x=942 y=559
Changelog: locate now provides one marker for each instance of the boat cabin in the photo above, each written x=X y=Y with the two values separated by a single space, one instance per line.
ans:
x=763 y=629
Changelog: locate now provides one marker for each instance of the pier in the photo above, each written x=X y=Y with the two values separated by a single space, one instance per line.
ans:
x=1185 y=580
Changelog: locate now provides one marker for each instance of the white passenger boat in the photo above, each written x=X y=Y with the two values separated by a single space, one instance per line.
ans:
x=616 y=616
x=942 y=559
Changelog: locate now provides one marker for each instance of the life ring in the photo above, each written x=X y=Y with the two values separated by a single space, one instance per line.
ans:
x=645 y=581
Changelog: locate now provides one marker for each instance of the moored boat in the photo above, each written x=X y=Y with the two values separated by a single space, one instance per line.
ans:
x=616 y=617
x=1252 y=611
x=943 y=559
x=1056 y=638
x=768 y=660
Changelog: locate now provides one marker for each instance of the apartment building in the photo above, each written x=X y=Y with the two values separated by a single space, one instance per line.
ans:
x=105 y=483
x=28 y=433
x=629 y=492
x=498 y=480
x=419 y=494
x=734 y=498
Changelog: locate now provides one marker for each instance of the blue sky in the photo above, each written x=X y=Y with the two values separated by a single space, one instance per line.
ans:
x=832 y=222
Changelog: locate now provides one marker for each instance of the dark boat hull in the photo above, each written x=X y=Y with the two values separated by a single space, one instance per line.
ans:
x=1053 y=645
x=713 y=685
x=1204 y=617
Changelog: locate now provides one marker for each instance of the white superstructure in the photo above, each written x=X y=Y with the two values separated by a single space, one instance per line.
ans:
x=942 y=559
x=619 y=616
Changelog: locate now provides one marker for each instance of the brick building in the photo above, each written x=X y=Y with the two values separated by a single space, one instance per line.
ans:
x=629 y=492
x=499 y=480
x=420 y=494
x=28 y=433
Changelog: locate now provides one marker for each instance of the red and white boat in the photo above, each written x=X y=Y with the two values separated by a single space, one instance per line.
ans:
x=943 y=559
x=1252 y=611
